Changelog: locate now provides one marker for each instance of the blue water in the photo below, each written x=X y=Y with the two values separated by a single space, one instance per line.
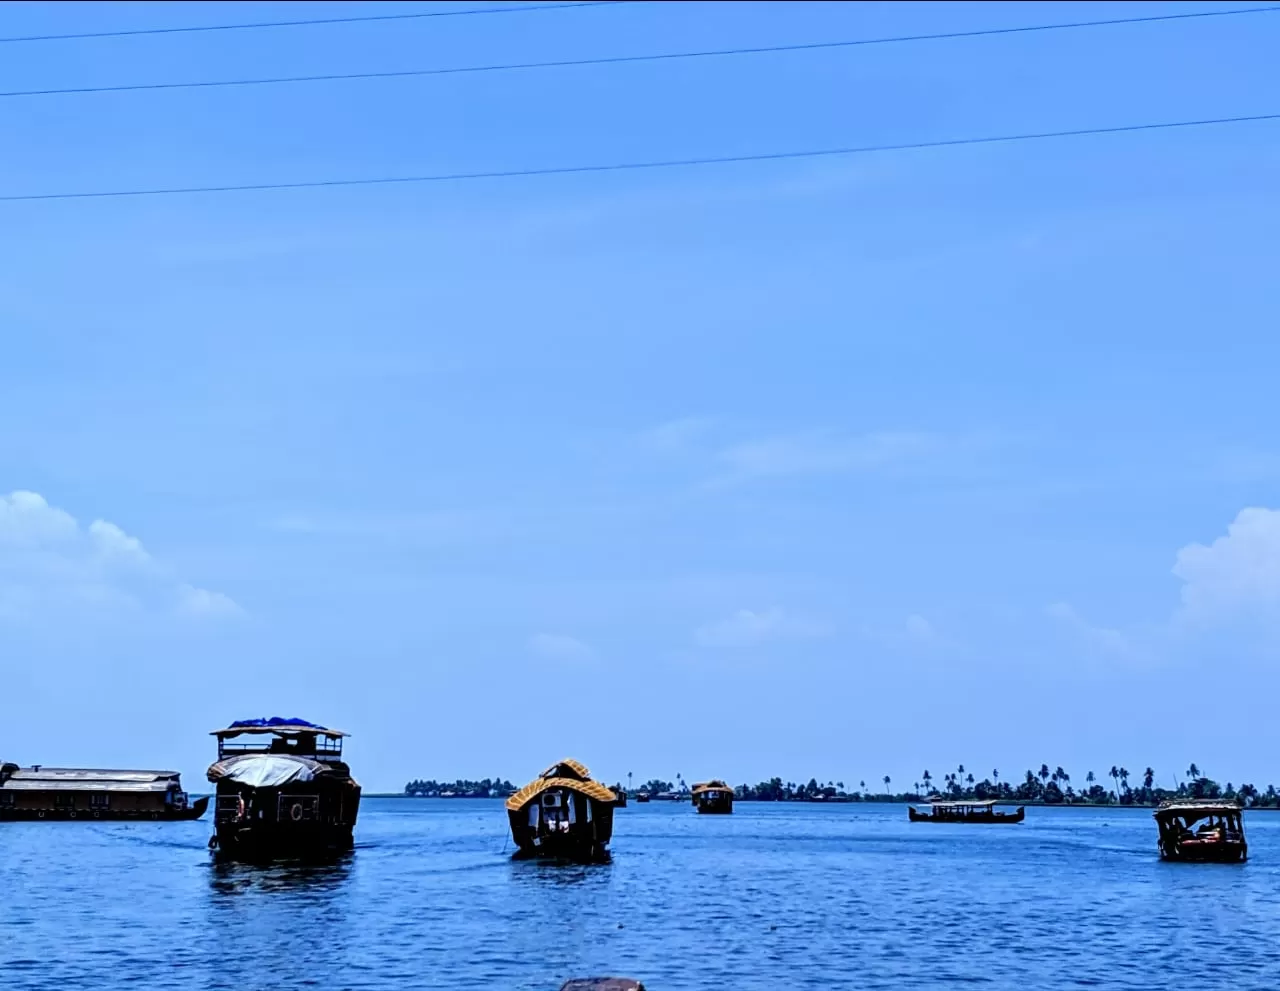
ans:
x=775 y=896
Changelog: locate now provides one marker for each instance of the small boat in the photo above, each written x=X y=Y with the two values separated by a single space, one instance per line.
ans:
x=713 y=798
x=61 y=793
x=563 y=814
x=1218 y=839
x=945 y=810
x=642 y=797
x=285 y=791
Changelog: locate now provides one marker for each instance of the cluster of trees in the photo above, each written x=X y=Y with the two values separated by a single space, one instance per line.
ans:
x=1050 y=787
x=488 y=788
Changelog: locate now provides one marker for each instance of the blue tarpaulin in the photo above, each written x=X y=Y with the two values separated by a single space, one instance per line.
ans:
x=272 y=721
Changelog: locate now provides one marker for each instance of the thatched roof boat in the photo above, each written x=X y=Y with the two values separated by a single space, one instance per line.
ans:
x=563 y=814
x=713 y=797
x=1219 y=838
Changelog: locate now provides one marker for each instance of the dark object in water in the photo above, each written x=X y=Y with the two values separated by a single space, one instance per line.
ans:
x=713 y=798
x=945 y=811
x=642 y=797
x=563 y=815
x=284 y=792
x=603 y=984
x=65 y=793
x=1219 y=839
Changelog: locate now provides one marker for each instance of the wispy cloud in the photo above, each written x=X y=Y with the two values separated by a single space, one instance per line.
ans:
x=431 y=527
x=825 y=453
x=1101 y=640
x=747 y=628
x=51 y=567
x=561 y=647
x=676 y=436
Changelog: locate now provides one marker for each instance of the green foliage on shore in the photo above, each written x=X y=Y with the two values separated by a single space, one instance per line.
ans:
x=488 y=788
x=1043 y=786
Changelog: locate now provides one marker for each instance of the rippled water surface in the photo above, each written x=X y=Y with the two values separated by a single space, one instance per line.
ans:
x=775 y=896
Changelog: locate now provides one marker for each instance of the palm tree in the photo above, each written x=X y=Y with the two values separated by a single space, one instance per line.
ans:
x=995 y=775
x=1148 y=778
x=886 y=784
x=969 y=780
x=1193 y=772
x=927 y=778
x=1044 y=774
x=917 y=788
x=1090 y=779
x=862 y=786
x=1124 y=777
x=1063 y=776
x=1115 y=776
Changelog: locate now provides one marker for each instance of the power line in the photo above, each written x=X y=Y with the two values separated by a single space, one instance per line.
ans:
x=622 y=59
x=359 y=19
x=655 y=164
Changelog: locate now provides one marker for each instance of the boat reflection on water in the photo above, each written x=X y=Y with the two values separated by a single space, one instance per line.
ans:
x=229 y=877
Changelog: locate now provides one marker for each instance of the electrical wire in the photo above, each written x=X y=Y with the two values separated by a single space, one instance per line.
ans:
x=636 y=166
x=357 y=19
x=623 y=59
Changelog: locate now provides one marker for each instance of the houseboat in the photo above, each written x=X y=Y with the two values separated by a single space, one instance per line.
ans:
x=563 y=814
x=1202 y=831
x=642 y=797
x=713 y=798
x=945 y=810
x=57 y=793
x=282 y=789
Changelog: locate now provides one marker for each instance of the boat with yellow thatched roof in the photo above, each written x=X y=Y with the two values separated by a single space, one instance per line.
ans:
x=563 y=814
x=713 y=797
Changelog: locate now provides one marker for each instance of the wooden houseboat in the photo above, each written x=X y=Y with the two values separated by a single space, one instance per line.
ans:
x=945 y=810
x=563 y=815
x=282 y=789
x=62 y=793
x=642 y=797
x=713 y=798
x=1219 y=837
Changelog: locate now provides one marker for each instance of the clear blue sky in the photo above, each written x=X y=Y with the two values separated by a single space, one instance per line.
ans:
x=847 y=467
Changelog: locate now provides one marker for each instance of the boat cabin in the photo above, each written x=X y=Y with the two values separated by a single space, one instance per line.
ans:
x=282 y=789
x=713 y=797
x=946 y=810
x=1203 y=831
x=39 y=792
x=563 y=814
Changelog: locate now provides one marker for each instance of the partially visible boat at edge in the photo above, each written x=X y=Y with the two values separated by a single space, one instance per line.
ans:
x=563 y=814
x=64 y=793
x=1218 y=839
x=945 y=810
x=283 y=791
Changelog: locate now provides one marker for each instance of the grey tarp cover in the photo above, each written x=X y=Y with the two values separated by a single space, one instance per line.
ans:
x=265 y=770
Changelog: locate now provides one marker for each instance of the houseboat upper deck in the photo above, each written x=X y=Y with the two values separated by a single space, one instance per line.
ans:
x=946 y=810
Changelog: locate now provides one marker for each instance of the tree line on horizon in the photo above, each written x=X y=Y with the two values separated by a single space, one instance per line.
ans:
x=1047 y=786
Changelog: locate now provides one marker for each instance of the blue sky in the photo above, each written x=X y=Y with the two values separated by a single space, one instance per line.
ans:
x=848 y=467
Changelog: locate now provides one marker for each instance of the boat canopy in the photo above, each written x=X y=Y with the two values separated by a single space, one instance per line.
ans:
x=279 y=725
x=1193 y=811
x=267 y=770
x=86 y=779
x=946 y=803
x=568 y=774
x=709 y=786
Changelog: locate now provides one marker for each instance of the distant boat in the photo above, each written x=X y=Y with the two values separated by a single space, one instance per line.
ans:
x=63 y=793
x=942 y=810
x=563 y=814
x=642 y=797
x=1219 y=838
x=713 y=798
x=284 y=792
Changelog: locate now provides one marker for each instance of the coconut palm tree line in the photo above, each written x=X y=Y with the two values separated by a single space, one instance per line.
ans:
x=1050 y=786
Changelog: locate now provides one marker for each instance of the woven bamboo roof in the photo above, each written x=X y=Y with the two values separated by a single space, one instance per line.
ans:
x=568 y=774
x=713 y=785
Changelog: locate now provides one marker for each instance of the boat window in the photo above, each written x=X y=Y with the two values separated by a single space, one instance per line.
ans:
x=6 y=799
x=64 y=800
x=99 y=801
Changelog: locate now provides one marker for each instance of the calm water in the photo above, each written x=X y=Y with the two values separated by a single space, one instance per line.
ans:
x=776 y=896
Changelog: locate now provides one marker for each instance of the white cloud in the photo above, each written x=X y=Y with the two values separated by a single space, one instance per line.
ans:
x=560 y=647
x=51 y=568
x=675 y=436
x=746 y=628
x=919 y=629
x=1238 y=575
x=826 y=453
x=197 y=602
x=1097 y=639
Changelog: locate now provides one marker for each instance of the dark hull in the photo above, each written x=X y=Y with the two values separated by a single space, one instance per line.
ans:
x=985 y=818
x=642 y=798
x=313 y=821
x=104 y=815
x=723 y=807
x=569 y=850
x=1200 y=852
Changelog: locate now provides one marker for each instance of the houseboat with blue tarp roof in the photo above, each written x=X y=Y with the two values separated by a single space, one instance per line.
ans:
x=282 y=789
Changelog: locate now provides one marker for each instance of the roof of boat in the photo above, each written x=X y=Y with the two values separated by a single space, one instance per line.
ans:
x=281 y=725
x=715 y=784
x=1205 y=806
x=568 y=773
x=983 y=804
x=42 y=778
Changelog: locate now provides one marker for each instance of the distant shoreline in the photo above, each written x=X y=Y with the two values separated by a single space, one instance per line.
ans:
x=1030 y=803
